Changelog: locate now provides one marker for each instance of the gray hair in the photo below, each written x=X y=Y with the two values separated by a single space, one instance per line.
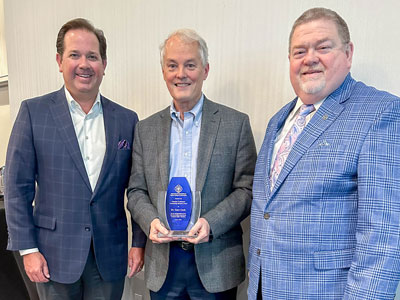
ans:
x=319 y=13
x=187 y=36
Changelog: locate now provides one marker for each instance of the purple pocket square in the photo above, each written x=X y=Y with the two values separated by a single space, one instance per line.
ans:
x=124 y=145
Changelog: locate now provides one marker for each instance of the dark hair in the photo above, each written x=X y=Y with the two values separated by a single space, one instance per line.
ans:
x=81 y=23
x=319 y=13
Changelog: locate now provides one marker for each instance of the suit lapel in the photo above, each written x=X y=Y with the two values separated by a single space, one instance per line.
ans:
x=210 y=121
x=112 y=138
x=270 y=137
x=330 y=109
x=163 y=145
x=62 y=118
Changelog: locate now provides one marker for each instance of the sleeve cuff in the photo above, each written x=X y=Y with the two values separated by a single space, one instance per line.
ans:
x=28 y=251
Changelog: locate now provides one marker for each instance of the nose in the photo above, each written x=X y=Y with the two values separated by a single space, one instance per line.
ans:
x=83 y=62
x=311 y=58
x=181 y=72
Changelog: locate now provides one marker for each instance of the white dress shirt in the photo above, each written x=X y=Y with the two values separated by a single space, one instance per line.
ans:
x=289 y=123
x=90 y=132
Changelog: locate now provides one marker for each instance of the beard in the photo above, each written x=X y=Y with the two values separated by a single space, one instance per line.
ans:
x=311 y=85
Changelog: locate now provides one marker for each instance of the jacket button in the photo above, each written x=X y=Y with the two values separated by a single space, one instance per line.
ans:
x=267 y=216
x=87 y=228
x=258 y=251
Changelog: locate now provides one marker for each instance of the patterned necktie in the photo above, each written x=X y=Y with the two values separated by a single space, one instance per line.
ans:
x=289 y=141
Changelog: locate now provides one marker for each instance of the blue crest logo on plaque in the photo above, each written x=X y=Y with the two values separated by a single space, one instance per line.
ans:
x=178 y=203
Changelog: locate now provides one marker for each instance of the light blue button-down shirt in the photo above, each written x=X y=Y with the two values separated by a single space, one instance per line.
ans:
x=185 y=135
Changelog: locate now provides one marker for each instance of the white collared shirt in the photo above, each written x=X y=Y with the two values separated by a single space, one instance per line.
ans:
x=90 y=132
x=289 y=123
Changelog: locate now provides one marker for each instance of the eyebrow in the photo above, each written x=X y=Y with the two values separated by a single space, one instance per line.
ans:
x=169 y=60
x=318 y=42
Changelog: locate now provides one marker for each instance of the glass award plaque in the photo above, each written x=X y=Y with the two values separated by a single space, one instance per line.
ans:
x=178 y=208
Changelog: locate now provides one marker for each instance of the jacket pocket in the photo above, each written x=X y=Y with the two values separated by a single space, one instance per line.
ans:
x=45 y=222
x=334 y=259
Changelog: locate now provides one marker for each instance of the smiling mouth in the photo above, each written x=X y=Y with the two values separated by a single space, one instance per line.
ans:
x=311 y=72
x=84 y=75
x=182 y=84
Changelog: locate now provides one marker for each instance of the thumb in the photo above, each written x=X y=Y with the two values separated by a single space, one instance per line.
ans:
x=195 y=229
x=161 y=228
x=46 y=270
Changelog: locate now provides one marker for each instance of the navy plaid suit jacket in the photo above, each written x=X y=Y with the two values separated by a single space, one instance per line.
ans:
x=43 y=150
x=333 y=224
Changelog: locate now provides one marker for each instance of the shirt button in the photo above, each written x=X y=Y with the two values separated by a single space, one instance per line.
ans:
x=187 y=132
x=267 y=216
x=87 y=228
x=258 y=251
x=86 y=137
x=87 y=157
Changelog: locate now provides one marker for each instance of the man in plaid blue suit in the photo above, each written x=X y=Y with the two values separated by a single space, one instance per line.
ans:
x=329 y=228
x=70 y=152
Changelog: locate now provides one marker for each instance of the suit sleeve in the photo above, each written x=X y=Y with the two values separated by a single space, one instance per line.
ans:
x=375 y=269
x=236 y=206
x=139 y=204
x=138 y=236
x=20 y=176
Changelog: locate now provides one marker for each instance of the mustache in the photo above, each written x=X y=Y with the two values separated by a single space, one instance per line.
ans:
x=311 y=70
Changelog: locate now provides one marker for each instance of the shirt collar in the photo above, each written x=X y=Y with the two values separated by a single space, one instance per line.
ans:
x=76 y=108
x=196 y=111
x=299 y=103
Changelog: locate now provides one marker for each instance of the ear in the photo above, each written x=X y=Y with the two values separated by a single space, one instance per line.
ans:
x=59 y=62
x=349 y=53
x=163 y=73
x=104 y=64
x=206 y=69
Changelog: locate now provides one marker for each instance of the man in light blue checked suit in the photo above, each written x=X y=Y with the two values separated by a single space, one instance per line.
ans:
x=329 y=226
x=70 y=152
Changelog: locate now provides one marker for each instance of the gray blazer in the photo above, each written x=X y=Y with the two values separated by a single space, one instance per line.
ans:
x=226 y=159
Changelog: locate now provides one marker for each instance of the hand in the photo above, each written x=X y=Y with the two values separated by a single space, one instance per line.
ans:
x=135 y=260
x=36 y=267
x=202 y=230
x=155 y=227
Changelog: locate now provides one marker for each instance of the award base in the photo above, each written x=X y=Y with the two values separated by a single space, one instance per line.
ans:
x=177 y=234
x=179 y=211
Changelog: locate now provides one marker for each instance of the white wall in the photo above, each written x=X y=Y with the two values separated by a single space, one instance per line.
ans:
x=247 y=41
x=5 y=122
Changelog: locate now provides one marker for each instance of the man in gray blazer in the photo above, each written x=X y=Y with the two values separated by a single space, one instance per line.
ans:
x=213 y=147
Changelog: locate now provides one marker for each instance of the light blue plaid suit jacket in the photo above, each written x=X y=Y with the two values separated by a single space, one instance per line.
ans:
x=44 y=151
x=333 y=229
